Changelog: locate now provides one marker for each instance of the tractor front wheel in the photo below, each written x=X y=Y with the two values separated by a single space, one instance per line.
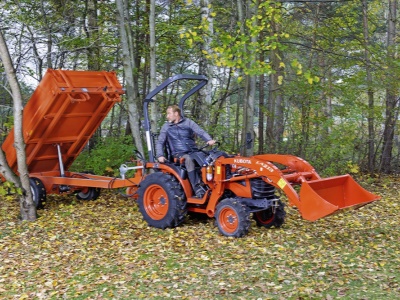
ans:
x=161 y=201
x=271 y=217
x=233 y=218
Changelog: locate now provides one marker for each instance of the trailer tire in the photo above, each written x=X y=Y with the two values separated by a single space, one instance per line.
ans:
x=232 y=218
x=267 y=218
x=90 y=193
x=162 y=201
x=38 y=192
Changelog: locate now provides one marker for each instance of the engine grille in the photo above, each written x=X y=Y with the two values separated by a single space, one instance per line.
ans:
x=261 y=189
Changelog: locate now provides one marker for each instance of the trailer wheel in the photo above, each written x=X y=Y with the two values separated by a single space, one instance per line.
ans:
x=89 y=193
x=38 y=192
x=267 y=218
x=161 y=201
x=232 y=218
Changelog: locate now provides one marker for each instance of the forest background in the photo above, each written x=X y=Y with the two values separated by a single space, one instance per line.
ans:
x=317 y=79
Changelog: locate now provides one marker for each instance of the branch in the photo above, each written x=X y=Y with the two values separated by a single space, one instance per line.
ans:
x=333 y=53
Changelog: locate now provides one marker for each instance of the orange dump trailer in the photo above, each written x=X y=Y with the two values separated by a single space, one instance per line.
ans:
x=61 y=116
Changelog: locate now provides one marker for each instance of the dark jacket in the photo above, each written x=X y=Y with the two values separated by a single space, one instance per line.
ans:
x=180 y=137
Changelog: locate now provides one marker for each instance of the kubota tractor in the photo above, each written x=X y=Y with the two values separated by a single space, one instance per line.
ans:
x=238 y=187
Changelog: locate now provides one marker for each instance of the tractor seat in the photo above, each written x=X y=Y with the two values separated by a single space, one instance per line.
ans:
x=179 y=161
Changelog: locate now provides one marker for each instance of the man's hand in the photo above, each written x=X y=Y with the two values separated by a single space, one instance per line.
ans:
x=161 y=159
x=211 y=142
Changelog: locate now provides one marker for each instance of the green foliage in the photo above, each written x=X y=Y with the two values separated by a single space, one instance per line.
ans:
x=106 y=157
x=170 y=50
x=316 y=49
x=234 y=48
x=8 y=188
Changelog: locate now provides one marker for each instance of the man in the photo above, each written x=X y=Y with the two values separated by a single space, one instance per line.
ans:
x=179 y=132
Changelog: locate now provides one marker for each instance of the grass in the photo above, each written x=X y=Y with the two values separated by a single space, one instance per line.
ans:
x=103 y=250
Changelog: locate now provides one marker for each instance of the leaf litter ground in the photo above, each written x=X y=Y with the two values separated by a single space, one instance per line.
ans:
x=104 y=250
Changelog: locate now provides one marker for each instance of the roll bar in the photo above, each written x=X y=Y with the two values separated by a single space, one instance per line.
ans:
x=149 y=98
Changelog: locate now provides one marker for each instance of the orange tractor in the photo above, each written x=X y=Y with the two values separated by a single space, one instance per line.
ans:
x=68 y=106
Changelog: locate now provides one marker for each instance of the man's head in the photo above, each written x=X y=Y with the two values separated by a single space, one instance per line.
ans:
x=173 y=113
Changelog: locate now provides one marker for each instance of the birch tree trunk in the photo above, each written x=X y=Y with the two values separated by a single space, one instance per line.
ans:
x=27 y=206
x=392 y=84
x=205 y=67
x=153 y=62
x=129 y=67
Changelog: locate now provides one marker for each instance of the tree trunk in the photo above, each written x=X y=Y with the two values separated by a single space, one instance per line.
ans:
x=27 y=207
x=236 y=143
x=49 y=41
x=129 y=69
x=223 y=100
x=153 y=64
x=391 y=99
x=370 y=92
x=261 y=102
x=6 y=171
x=205 y=67
x=250 y=85
x=92 y=34
x=92 y=51
x=275 y=106
x=272 y=87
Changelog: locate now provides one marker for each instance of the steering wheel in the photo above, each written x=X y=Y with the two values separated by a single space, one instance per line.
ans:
x=214 y=147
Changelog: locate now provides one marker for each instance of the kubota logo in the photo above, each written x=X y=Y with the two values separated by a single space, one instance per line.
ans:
x=242 y=161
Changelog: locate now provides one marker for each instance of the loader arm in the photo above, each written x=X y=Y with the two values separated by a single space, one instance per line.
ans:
x=296 y=169
x=264 y=169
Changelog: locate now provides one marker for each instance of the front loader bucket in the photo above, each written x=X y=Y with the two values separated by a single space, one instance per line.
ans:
x=323 y=197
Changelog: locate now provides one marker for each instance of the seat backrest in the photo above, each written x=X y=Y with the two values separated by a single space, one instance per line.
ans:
x=168 y=152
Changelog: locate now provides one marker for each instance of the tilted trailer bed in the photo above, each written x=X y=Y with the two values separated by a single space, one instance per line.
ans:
x=61 y=116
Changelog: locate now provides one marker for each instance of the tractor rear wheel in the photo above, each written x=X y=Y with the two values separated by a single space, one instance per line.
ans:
x=268 y=217
x=38 y=192
x=161 y=201
x=232 y=217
